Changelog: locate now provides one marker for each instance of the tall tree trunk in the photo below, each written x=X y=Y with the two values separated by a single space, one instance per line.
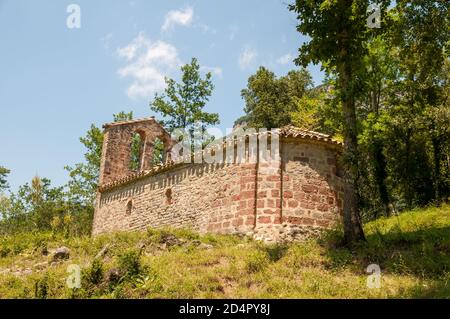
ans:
x=437 y=169
x=380 y=177
x=380 y=159
x=352 y=223
x=408 y=191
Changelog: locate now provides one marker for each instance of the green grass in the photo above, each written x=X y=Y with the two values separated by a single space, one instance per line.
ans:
x=413 y=251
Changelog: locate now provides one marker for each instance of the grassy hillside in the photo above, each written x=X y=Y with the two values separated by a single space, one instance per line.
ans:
x=413 y=251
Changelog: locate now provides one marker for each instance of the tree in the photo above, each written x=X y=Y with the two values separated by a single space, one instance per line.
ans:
x=421 y=32
x=380 y=71
x=271 y=101
x=84 y=176
x=3 y=175
x=182 y=103
x=338 y=33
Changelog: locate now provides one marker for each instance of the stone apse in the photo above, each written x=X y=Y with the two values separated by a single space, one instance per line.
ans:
x=291 y=197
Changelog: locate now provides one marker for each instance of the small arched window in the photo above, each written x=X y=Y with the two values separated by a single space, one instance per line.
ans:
x=137 y=140
x=158 y=152
x=169 y=196
x=129 y=207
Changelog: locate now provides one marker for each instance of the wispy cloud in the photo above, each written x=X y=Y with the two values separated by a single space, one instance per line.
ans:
x=182 y=17
x=106 y=40
x=247 y=57
x=148 y=64
x=233 y=31
x=213 y=69
x=285 y=59
x=206 y=28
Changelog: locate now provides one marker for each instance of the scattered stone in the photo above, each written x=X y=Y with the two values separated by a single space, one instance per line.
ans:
x=141 y=247
x=61 y=253
x=102 y=252
x=27 y=271
x=44 y=251
x=113 y=275
x=169 y=240
x=40 y=266
x=5 y=271
x=196 y=242
x=205 y=246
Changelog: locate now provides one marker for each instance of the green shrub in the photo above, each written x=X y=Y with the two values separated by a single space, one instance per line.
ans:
x=94 y=274
x=41 y=288
x=275 y=252
x=256 y=262
x=130 y=262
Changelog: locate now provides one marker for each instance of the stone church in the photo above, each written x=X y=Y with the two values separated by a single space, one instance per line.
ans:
x=293 y=196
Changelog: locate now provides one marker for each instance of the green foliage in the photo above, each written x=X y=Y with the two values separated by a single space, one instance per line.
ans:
x=338 y=34
x=42 y=287
x=256 y=262
x=130 y=262
x=3 y=175
x=40 y=207
x=390 y=86
x=269 y=101
x=182 y=103
x=84 y=176
x=411 y=249
x=94 y=274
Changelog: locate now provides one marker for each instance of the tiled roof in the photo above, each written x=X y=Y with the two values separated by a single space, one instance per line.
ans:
x=286 y=131
x=148 y=119
x=292 y=131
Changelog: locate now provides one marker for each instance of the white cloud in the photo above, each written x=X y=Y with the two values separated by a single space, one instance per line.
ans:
x=206 y=28
x=148 y=64
x=213 y=69
x=233 y=31
x=246 y=58
x=106 y=40
x=285 y=59
x=182 y=17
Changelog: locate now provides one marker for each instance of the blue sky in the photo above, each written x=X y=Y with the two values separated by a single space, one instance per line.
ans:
x=56 y=81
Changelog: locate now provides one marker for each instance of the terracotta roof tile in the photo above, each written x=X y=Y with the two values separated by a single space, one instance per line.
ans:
x=287 y=131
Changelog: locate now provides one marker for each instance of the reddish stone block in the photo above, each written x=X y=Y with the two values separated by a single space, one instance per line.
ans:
x=288 y=194
x=275 y=193
x=307 y=221
x=278 y=203
x=273 y=178
x=277 y=220
x=307 y=205
x=294 y=220
x=323 y=223
x=260 y=203
x=250 y=221
x=247 y=179
x=264 y=219
x=247 y=195
x=309 y=188
x=292 y=203
x=271 y=211
x=299 y=196
x=238 y=222
x=262 y=194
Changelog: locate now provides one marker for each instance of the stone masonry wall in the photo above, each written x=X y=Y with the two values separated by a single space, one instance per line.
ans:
x=292 y=198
